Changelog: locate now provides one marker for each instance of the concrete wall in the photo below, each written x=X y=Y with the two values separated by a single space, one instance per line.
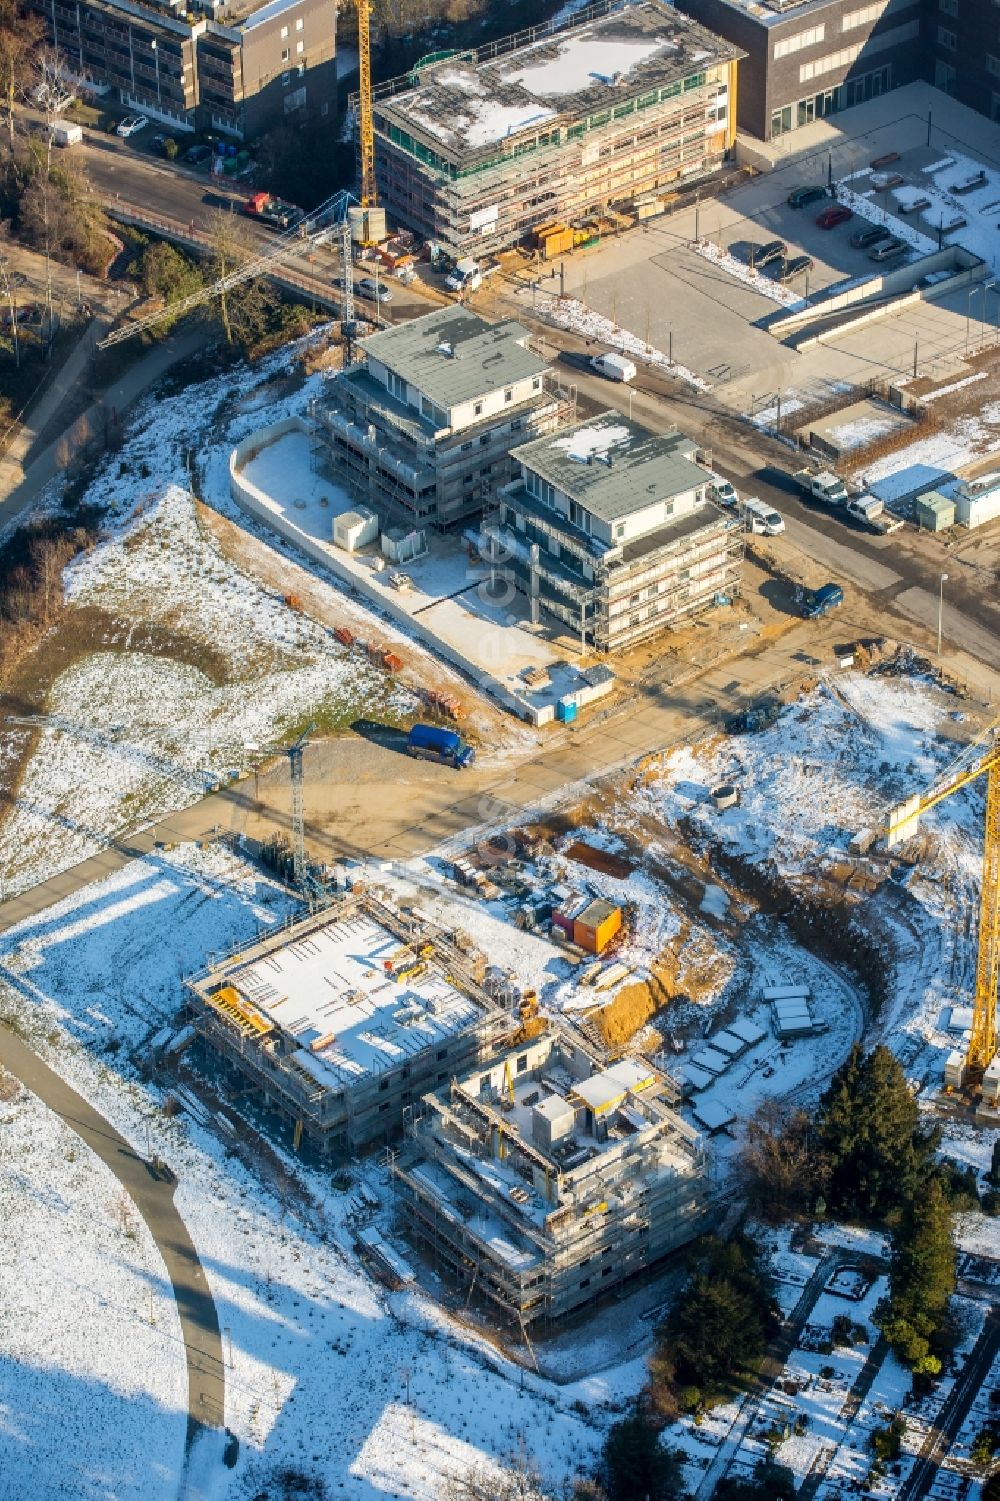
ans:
x=254 y=502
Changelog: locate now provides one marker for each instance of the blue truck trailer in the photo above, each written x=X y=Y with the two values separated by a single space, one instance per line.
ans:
x=435 y=744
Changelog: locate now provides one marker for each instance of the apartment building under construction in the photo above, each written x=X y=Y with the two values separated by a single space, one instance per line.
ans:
x=476 y=150
x=345 y=1018
x=545 y=1178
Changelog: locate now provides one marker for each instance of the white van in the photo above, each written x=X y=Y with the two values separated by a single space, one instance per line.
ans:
x=760 y=518
x=723 y=492
x=66 y=133
x=614 y=367
x=466 y=277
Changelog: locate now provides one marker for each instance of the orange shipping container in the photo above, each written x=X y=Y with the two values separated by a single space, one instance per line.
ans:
x=596 y=925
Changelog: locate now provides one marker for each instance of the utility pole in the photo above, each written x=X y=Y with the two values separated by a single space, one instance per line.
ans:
x=944 y=580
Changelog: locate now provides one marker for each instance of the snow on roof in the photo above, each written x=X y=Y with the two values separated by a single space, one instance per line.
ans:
x=712 y=1114
x=698 y=1078
x=603 y=1089
x=583 y=59
x=960 y=1019
x=747 y=1030
x=712 y=1060
x=329 y=989
x=593 y=441
x=728 y=1043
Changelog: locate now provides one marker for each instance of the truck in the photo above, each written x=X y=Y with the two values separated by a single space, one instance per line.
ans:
x=430 y=742
x=822 y=485
x=273 y=211
x=872 y=512
x=466 y=276
x=66 y=133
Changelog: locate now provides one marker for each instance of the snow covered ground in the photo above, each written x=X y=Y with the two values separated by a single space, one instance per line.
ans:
x=93 y=1383
x=760 y=281
x=377 y=1393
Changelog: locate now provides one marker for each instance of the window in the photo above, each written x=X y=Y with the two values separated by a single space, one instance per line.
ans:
x=300 y=47
x=508 y=395
x=441 y=1053
x=284 y=32
x=285 y=79
x=536 y=384
x=484 y=440
x=872 y=13
x=947 y=39
x=285 y=55
x=396 y=385
x=477 y=410
x=808 y=38
x=619 y=530
x=522 y=1063
x=383 y=1084
x=847 y=55
x=300 y=71
x=466 y=447
x=299 y=24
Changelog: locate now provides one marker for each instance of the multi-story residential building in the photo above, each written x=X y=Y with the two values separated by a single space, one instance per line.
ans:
x=475 y=151
x=805 y=59
x=422 y=428
x=545 y=1179
x=609 y=527
x=237 y=67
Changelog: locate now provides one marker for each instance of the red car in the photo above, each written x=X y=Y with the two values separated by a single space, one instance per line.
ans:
x=834 y=215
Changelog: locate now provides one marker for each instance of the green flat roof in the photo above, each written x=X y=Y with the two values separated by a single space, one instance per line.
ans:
x=612 y=466
x=452 y=355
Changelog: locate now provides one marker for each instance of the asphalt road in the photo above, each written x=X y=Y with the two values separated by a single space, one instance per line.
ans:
x=154 y=1200
x=900 y=573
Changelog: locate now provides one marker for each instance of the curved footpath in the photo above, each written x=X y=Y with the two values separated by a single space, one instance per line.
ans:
x=155 y=1201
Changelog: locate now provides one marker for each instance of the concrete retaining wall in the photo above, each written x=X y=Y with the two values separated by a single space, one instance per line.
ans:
x=896 y=287
x=253 y=500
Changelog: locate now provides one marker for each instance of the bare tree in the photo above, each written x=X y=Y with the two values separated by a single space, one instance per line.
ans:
x=52 y=96
x=777 y=1163
x=20 y=38
x=242 y=311
x=8 y=288
x=519 y=1479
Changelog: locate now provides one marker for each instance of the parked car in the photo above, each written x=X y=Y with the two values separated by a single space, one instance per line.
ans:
x=837 y=213
x=786 y=270
x=131 y=125
x=802 y=197
x=376 y=290
x=774 y=250
x=614 y=367
x=864 y=239
x=816 y=602
x=723 y=492
x=196 y=155
x=889 y=250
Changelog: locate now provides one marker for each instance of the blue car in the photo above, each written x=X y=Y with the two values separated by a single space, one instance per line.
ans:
x=818 y=601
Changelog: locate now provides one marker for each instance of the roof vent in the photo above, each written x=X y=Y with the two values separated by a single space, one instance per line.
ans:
x=590 y=458
x=446 y=348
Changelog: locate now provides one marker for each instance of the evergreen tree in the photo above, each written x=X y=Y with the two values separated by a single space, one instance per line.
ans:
x=868 y=1136
x=921 y=1278
x=636 y=1464
x=771 y=1482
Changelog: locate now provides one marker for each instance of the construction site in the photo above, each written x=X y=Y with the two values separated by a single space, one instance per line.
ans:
x=476 y=151
x=346 y=1017
x=549 y=1177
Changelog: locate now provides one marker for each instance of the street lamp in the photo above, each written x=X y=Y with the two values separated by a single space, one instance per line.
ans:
x=156 y=60
x=944 y=580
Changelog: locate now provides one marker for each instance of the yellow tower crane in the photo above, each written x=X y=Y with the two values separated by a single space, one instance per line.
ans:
x=977 y=761
x=369 y=197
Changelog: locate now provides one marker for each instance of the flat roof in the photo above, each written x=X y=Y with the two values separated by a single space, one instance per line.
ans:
x=560 y=73
x=329 y=989
x=453 y=355
x=612 y=466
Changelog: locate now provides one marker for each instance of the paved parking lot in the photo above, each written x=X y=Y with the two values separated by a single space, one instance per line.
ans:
x=653 y=282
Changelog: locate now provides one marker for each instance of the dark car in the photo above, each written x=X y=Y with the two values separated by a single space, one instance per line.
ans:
x=196 y=155
x=864 y=239
x=837 y=213
x=786 y=270
x=817 y=602
x=801 y=197
x=774 y=250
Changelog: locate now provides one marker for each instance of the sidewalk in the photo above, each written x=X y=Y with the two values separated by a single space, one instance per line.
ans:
x=20 y=487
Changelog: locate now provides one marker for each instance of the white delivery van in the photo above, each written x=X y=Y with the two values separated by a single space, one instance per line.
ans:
x=723 y=492
x=466 y=277
x=65 y=133
x=760 y=518
x=614 y=367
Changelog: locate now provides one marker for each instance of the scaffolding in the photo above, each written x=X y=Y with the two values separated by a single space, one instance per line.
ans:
x=535 y=1231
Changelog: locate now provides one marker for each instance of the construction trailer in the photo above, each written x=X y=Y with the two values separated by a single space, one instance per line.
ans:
x=546 y=1178
x=480 y=150
x=346 y=1017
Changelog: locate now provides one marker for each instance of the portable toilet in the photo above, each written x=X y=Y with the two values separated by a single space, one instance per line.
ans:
x=935 y=512
x=566 y=708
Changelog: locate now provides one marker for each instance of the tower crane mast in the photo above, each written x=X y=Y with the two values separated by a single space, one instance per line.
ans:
x=369 y=195
x=903 y=822
x=294 y=753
